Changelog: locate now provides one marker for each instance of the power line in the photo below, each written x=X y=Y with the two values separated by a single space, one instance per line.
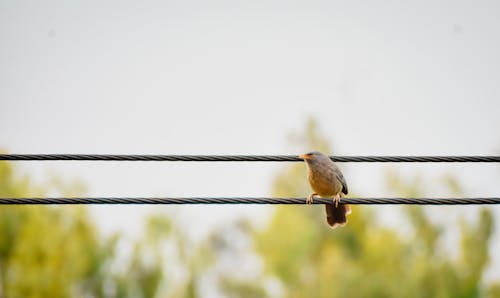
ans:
x=247 y=200
x=288 y=158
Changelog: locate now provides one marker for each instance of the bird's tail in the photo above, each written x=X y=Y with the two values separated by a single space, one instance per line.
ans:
x=337 y=216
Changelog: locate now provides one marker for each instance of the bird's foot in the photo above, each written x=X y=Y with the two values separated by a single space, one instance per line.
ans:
x=336 y=200
x=310 y=198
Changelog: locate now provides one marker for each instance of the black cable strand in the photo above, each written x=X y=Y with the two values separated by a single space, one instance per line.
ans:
x=247 y=200
x=227 y=158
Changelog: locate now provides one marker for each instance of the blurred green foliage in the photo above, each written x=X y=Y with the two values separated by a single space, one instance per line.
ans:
x=56 y=251
x=48 y=251
x=366 y=259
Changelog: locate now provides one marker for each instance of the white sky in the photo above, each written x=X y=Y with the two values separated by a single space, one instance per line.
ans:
x=235 y=77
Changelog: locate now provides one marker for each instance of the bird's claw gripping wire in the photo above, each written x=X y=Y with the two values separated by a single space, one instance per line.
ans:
x=310 y=198
x=336 y=200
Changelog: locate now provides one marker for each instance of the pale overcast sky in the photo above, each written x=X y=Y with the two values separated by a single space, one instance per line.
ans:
x=235 y=77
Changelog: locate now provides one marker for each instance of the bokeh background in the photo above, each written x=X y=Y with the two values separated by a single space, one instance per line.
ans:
x=248 y=77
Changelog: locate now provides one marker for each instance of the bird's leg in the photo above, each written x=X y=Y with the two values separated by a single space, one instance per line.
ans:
x=336 y=200
x=310 y=198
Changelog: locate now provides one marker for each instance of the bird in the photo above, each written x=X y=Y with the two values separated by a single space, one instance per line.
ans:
x=327 y=181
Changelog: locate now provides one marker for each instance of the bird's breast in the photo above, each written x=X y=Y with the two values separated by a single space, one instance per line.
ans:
x=324 y=185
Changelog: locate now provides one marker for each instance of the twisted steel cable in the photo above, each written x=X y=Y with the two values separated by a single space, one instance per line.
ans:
x=244 y=200
x=288 y=158
x=247 y=200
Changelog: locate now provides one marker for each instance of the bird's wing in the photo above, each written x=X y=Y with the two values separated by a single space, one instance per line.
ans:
x=342 y=180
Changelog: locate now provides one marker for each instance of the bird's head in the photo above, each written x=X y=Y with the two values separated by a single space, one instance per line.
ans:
x=313 y=157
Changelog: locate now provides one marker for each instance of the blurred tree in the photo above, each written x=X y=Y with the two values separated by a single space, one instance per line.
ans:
x=42 y=249
x=48 y=251
x=364 y=259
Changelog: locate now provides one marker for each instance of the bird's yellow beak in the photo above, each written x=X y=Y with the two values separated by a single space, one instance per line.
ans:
x=305 y=156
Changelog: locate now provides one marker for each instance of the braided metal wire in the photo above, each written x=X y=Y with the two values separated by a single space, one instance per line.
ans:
x=288 y=158
x=247 y=200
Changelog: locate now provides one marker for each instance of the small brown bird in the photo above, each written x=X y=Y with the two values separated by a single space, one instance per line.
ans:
x=327 y=180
